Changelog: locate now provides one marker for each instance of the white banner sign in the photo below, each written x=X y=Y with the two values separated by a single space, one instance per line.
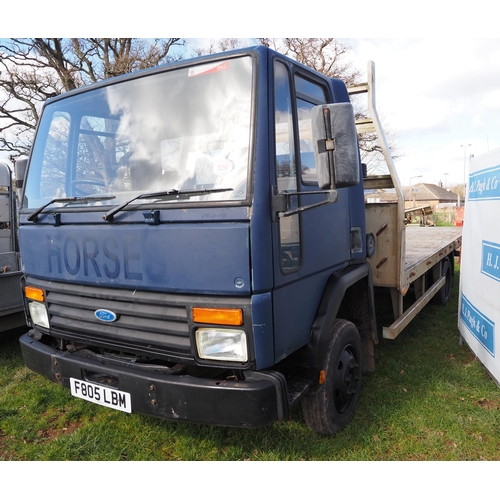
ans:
x=479 y=307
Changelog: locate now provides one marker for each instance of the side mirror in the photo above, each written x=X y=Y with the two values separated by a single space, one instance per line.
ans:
x=336 y=147
x=20 y=169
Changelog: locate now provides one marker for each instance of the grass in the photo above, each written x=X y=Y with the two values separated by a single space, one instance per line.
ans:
x=429 y=399
x=443 y=218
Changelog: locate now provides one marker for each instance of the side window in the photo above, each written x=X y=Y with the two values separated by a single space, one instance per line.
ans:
x=286 y=171
x=309 y=94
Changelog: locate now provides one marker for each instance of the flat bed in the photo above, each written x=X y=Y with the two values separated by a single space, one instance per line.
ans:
x=425 y=246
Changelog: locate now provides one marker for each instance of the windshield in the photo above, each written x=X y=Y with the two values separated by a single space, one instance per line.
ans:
x=184 y=129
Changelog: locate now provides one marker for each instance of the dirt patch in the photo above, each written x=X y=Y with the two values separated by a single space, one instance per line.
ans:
x=489 y=405
x=54 y=433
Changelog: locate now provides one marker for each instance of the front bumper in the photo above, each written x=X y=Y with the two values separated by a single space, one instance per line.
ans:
x=258 y=400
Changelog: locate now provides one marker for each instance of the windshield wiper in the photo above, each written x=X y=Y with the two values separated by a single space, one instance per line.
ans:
x=75 y=199
x=172 y=194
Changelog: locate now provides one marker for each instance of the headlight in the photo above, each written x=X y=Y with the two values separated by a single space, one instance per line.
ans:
x=222 y=345
x=38 y=313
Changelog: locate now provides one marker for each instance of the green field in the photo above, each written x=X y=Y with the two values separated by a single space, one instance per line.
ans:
x=429 y=399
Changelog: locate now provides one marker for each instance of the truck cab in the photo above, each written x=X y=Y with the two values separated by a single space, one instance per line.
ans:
x=194 y=246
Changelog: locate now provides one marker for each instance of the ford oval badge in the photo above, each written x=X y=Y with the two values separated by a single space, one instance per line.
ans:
x=105 y=315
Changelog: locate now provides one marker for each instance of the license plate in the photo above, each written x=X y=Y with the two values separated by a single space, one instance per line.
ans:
x=104 y=396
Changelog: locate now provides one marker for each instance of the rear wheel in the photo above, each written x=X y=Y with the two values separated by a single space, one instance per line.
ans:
x=443 y=296
x=331 y=407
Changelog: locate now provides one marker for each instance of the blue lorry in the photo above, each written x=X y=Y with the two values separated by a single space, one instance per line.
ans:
x=195 y=247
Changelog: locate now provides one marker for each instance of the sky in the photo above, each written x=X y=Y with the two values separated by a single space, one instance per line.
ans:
x=438 y=98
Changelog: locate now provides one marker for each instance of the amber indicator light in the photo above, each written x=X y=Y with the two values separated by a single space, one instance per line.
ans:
x=34 y=293
x=233 y=317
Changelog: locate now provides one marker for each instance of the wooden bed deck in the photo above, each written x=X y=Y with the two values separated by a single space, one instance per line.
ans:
x=424 y=243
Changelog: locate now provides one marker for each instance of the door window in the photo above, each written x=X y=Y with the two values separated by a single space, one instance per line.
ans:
x=286 y=171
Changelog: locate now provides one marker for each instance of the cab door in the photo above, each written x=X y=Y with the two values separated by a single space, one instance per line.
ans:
x=312 y=244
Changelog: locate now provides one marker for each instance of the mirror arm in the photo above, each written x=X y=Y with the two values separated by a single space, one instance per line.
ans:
x=280 y=201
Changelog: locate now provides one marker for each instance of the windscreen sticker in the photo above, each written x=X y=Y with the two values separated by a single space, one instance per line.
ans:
x=222 y=166
x=206 y=69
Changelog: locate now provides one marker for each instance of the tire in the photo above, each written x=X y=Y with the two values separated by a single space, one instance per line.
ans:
x=331 y=407
x=443 y=296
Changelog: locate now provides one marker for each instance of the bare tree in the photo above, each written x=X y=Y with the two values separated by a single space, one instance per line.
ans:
x=325 y=55
x=219 y=45
x=35 y=69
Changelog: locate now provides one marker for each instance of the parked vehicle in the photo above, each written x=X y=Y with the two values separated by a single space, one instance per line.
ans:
x=196 y=245
x=11 y=299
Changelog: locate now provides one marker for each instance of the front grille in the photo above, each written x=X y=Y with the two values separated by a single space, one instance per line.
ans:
x=148 y=322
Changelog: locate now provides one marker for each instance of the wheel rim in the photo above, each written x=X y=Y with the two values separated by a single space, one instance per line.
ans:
x=346 y=379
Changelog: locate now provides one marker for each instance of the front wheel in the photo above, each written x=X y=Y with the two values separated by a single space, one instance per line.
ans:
x=331 y=407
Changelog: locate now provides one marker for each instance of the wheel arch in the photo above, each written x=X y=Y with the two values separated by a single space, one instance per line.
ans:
x=348 y=295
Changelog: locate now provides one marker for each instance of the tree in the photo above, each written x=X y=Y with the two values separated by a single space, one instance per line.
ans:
x=35 y=69
x=325 y=55
x=219 y=45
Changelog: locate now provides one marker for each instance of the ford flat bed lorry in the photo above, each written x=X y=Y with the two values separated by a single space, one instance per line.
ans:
x=196 y=246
